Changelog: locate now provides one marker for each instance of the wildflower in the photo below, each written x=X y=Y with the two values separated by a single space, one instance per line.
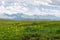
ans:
x=17 y=31
x=8 y=28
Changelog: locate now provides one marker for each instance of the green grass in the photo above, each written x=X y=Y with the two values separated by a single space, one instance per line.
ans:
x=29 y=30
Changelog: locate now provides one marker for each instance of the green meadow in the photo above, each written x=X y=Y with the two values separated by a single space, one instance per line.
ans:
x=29 y=30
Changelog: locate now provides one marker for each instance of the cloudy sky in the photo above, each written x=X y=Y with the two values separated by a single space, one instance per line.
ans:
x=29 y=7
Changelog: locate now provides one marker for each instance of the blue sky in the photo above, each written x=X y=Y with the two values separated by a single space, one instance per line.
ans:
x=29 y=7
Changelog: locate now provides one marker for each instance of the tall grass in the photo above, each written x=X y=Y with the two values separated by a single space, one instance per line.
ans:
x=29 y=30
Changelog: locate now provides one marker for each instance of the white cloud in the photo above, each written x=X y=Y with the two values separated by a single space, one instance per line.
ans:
x=4 y=16
x=55 y=2
x=23 y=6
x=52 y=12
x=19 y=5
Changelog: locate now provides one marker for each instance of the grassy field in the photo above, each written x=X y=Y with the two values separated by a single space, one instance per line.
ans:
x=29 y=30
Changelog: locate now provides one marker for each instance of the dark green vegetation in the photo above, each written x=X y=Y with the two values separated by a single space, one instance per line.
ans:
x=29 y=30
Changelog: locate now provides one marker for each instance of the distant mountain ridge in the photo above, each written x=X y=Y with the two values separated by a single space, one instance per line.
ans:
x=21 y=16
